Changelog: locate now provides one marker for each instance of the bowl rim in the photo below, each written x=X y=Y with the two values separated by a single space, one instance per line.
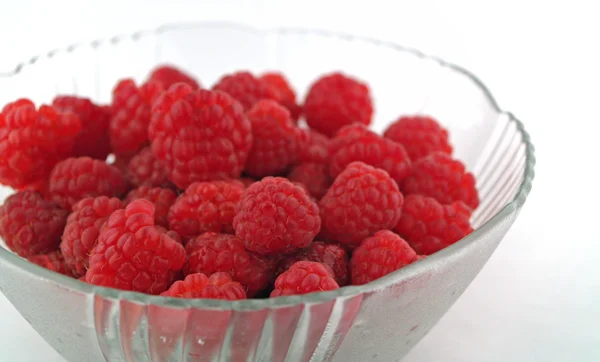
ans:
x=399 y=276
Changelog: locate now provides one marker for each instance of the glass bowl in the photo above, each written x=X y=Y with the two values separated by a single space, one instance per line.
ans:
x=379 y=321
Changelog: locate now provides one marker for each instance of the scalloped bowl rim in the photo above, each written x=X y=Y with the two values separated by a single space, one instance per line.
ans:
x=402 y=275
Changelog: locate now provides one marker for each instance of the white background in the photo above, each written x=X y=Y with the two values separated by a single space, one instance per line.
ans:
x=538 y=298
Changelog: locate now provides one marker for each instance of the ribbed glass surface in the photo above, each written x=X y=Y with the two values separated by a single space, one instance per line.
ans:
x=380 y=321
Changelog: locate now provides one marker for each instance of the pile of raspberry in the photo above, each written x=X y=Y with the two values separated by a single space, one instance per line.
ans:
x=230 y=192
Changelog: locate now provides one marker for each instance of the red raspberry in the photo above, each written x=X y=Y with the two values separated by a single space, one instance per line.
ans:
x=82 y=230
x=274 y=147
x=52 y=261
x=145 y=169
x=315 y=176
x=304 y=277
x=420 y=136
x=429 y=226
x=199 y=135
x=287 y=96
x=75 y=178
x=92 y=140
x=313 y=146
x=206 y=206
x=274 y=216
x=362 y=200
x=379 y=255
x=246 y=89
x=120 y=162
x=218 y=286
x=443 y=178
x=168 y=75
x=132 y=254
x=30 y=225
x=331 y=255
x=162 y=198
x=336 y=100
x=32 y=142
x=356 y=143
x=170 y=233
x=131 y=107
x=211 y=252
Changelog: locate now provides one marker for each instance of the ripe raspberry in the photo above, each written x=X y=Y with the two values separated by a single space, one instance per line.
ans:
x=304 y=277
x=336 y=100
x=379 y=255
x=429 y=226
x=168 y=75
x=206 y=206
x=274 y=216
x=199 y=135
x=313 y=146
x=331 y=255
x=82 y=230
x=92 y=140
x=32 y=142
x=362 y=200
x=420 y=136
x=162 y=198
x=131 y=107
x=315 y=176
x=218 y=286
x=274 y=147
x=120 y=162
x=443 y=178
x=75 y=178
x=246 y=89
x=356 y=143
x=170 y=233
x=132 y=254
x=30 y=225
x=211 y=252
x=287 y=96
x=145 y=169
x=52 y=261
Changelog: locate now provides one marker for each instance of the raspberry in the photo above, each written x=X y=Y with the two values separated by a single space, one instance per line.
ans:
x=145 y=169
x=304 y=277
x=274 y=216
x=218 y=286
x=82 y=230
x=274 y=147
x=30 y=225
x=379 y=255
x=162 y=198
x=313 y=146
x=52 y=261
x=32 y=142
x=92 y=140
x=362 y=200
x=211 y=252
x=75 y=178
x=420 y=136
x=120 y=162
x=132 y=254
x=336 y=100
x=356 y=143
x=206 y=206
x=246 y=89
x=443 y=178
x=331 y=255
x=131 y=107
x=287 y=96
x=199 y=135
x=315 y=176
x=429 y=226
x=170 y=233
x=168 y=75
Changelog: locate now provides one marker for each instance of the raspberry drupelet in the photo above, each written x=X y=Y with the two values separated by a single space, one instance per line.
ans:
x=199 y=135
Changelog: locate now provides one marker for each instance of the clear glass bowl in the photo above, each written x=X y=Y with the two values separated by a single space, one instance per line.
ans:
x=380 y=321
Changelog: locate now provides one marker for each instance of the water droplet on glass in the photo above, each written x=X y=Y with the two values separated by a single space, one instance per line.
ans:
x=163 y=339
x=201 y=341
